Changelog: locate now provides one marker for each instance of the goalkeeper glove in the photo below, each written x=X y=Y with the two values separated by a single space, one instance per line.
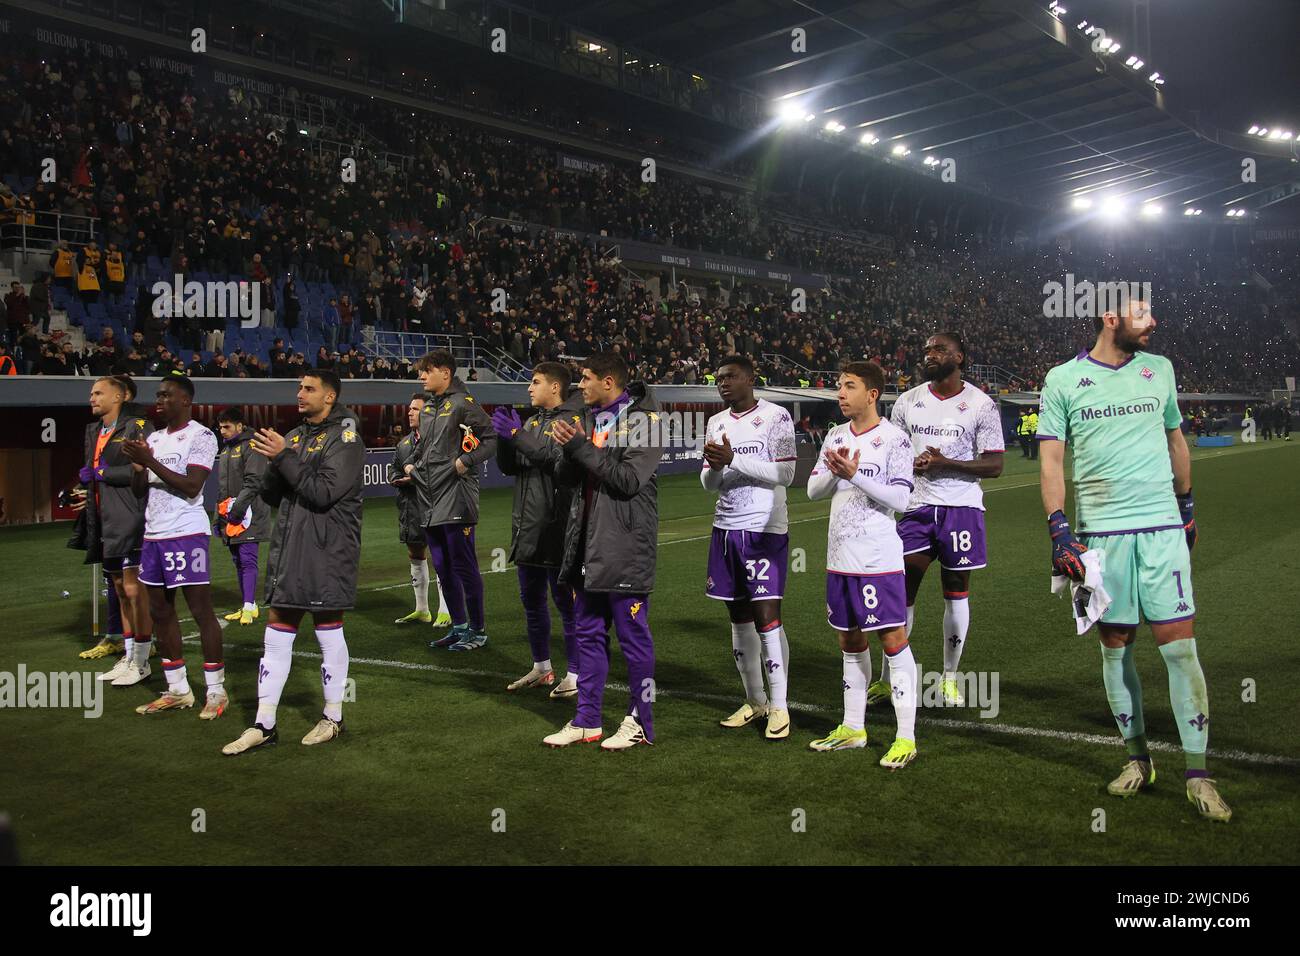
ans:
x=1066 y=551
x=470 y=441
x=1185 y=506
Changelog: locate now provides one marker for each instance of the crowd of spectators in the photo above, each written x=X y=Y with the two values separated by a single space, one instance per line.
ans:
x=212 y=183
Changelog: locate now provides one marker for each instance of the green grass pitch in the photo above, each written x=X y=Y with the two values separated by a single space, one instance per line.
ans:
x=441 y=765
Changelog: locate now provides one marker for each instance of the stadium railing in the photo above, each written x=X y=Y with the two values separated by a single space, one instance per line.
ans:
x=48 y=231
x=469 y=351
x=996 y=377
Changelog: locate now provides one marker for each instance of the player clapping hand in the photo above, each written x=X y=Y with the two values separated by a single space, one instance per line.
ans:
x=268 y=442
x=565 y=433
x=138 y=453
x=841 y=465
x=719 y=456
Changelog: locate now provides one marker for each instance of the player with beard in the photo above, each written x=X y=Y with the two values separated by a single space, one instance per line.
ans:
x=956 y=435
x=115 y=523
x=313 y=478
x=171 y=467
x=1117 y=407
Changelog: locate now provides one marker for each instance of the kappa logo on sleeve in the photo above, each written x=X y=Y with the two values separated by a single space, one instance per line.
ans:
x=349 y=436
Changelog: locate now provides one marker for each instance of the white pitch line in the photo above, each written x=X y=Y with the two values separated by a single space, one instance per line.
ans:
x=1241 y=756
x=820 y=517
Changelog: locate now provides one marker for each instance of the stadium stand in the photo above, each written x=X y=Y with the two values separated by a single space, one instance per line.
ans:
x=218 y=188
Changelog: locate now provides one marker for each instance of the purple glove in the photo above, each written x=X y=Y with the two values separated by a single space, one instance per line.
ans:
x=86 y=475
x=506 y=421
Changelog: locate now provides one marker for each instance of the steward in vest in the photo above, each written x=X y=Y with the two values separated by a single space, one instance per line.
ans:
x=115 y=270
x=88 y=283
x=63 y=264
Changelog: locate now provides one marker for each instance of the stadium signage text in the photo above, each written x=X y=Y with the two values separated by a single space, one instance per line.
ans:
x=247 y=82
x=581 y=164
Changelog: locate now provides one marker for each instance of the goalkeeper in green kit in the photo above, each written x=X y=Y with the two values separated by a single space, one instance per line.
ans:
x=1117 y=408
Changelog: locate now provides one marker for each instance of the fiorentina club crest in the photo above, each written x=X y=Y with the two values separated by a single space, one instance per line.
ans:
x=757 y=422
x=1147 y=373
x=962 y=406
x=876 y=442
x=709 y=582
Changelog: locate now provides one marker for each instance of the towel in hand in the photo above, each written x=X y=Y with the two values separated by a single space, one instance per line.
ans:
x=1089 y=599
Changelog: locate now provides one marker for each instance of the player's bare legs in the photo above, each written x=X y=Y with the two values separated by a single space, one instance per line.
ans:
x=135 y=603
x=133 y=667
x=178 y=696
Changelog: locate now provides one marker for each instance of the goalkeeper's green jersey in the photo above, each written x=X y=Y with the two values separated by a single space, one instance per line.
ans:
x=1114 y=419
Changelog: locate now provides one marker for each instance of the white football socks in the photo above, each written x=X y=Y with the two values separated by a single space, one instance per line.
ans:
x=746 y=648
x=140 y=652
x=334 y=668
x=857 y=676
x=442 y=601
x=214 y=675
x=902 y=678
x=272 y=672
x=776 y=661
x=884 y=657
x=956 y=621
x=177 y=681
x=420 y=584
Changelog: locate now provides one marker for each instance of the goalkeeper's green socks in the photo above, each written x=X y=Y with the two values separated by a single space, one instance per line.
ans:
x=1190 y=701
x=1124 y=691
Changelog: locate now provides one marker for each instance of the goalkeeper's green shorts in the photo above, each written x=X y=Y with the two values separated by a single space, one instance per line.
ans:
x=1148 y=575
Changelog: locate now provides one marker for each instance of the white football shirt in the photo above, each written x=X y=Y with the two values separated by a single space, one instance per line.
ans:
x=862 y=537
x=169 y=514
x=962 y=427
x=745 y=503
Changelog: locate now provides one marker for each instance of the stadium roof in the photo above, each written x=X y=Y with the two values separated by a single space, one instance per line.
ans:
x=1016 y=96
